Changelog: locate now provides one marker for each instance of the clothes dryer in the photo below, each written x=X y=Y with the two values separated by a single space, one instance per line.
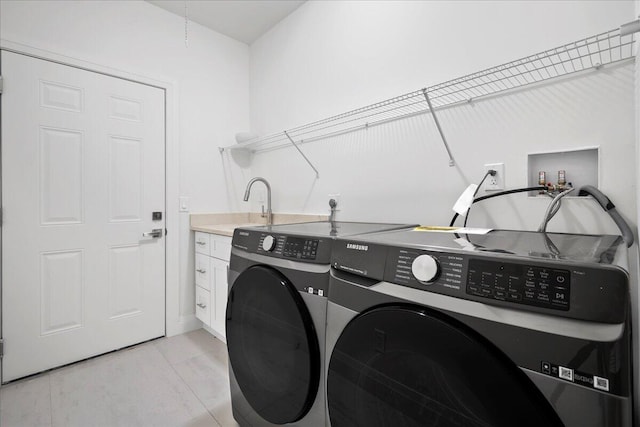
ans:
x=276 y=318
x=505 y=329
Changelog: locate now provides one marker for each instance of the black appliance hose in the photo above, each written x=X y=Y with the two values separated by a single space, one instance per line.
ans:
x=610 y=208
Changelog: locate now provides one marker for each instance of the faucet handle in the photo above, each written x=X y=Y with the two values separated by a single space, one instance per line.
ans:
x=332 y=205
x=262 y=215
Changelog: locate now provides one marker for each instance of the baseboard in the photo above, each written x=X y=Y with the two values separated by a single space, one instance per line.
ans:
x=214 y=333
x=186 y=323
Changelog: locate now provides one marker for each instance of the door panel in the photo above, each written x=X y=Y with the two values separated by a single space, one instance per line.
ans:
x=60 y=170
x=125 y=179
x=62 y=291
x=82 y=172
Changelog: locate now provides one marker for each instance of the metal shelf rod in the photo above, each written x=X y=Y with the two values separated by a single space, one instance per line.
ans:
x=435 y=119
x=302 y=154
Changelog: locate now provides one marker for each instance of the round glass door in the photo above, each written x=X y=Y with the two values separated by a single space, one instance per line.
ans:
x=273 y=346
x=413 y=367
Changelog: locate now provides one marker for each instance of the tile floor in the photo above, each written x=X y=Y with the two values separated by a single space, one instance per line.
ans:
x=177 y=381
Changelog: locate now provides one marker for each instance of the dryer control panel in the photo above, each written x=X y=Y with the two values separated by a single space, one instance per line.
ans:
x=280 y=245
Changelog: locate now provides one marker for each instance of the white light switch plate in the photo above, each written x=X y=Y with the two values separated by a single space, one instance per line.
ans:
x=184 y=204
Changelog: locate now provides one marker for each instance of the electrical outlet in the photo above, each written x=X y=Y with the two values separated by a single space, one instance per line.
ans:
x=495 y=182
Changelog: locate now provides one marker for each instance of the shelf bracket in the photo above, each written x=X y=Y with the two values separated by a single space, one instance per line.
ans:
x=435 y=119
x=302 y=154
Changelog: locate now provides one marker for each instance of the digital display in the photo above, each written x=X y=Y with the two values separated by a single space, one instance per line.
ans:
x=299 y=248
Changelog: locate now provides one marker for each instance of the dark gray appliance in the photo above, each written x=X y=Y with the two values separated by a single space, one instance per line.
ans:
x=505 y=329
x=276 y=319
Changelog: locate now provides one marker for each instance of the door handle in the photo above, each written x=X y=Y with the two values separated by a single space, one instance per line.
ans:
x=155 y=233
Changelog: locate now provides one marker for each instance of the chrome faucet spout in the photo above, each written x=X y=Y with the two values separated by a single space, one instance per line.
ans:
x=247 y=192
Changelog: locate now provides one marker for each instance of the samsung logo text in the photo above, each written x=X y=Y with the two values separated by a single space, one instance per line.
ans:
x=357 y=247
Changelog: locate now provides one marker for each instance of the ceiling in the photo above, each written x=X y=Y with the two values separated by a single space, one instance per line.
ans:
x=243 y=20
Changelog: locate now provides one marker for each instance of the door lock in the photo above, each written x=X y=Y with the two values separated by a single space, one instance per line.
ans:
x=155 y=233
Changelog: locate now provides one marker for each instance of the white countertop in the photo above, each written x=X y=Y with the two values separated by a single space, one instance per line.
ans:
x=222 y=229
x=225 y=223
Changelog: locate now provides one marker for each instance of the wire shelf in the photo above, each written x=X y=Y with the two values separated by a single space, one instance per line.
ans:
x=587 y=54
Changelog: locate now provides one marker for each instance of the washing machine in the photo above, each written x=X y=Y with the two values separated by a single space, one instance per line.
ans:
x=503 y=329
x=276 y=318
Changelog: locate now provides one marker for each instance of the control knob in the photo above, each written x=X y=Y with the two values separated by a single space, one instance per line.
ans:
x=425 y=268
x=268 y=243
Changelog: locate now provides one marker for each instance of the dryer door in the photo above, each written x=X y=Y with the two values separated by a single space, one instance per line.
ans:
x=410 y=366
x=273 y=346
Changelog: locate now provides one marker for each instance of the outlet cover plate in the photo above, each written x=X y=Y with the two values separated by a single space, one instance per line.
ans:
x=496 y=182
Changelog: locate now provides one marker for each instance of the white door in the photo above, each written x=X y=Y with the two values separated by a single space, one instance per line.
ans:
x=82 y=173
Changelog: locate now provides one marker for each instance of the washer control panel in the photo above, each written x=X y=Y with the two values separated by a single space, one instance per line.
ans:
x=519 y=283
x=269 y=243
x=300 y=248
x=583 y=289
x=419 y=269
x=425 y=268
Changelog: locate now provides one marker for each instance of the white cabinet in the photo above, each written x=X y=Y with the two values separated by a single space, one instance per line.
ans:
x=211 y=264
x=219 y=292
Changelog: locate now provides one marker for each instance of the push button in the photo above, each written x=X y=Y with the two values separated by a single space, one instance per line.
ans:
x=514 y=296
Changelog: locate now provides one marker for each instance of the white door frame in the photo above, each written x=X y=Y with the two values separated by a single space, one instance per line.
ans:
x=175 y=323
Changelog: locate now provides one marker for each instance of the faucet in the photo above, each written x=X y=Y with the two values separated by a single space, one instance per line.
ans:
x=248 y=190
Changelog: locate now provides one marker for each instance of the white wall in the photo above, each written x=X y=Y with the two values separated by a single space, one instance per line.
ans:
x=330 y=57
x=211 y=98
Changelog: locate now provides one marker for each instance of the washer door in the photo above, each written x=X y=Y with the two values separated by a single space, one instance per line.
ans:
x=273 y=346
x=410 y=366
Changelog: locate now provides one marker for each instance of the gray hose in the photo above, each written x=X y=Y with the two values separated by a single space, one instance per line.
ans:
x=609 y=207
x=553 y=209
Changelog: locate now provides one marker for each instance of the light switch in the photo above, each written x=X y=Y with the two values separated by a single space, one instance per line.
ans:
x=184 y=204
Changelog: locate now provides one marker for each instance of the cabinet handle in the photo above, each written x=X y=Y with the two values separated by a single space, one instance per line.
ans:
x=201 y=305
x=201 y=271
x=200 y=243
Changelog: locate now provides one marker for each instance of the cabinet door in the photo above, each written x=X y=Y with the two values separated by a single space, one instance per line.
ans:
x=203 y=271
x=202 y=243
x=219 y=295
x=203 y=305
x=220 y=246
